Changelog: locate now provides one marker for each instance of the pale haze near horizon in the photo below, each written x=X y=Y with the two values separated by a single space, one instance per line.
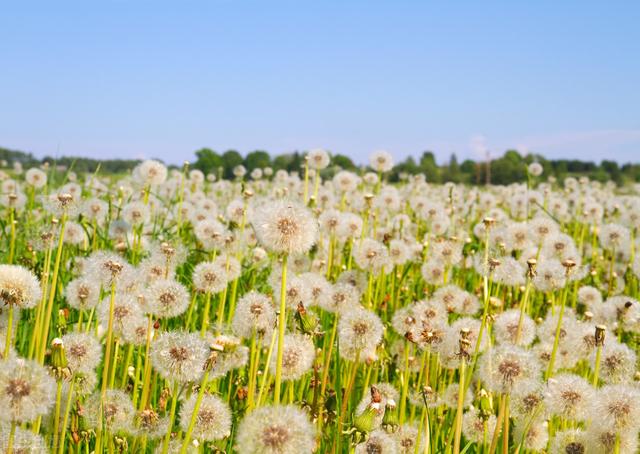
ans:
x=161 y=79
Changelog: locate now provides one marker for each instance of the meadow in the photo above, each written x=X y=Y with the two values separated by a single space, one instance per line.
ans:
x=169 y=311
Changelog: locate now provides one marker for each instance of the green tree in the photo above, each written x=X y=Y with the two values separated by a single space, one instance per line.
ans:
x=230 y=159
x=207 y=161
x=429 y=167
x=257 y=160
x=344 y=162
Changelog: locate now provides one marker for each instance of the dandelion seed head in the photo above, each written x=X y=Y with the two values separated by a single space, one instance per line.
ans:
x=276 y=429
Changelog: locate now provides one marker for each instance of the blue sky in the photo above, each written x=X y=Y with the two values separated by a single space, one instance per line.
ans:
x=162 y=79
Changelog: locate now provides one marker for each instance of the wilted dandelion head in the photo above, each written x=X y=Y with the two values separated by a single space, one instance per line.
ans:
x=381 y=161
x=26 y=390
x=179 y=356
x=95 y=209
x=527 y=397
x=285 y=227
x=213 y=420
x=276 y=429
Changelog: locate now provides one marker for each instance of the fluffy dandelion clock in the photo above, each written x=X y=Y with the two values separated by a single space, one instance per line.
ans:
x=35 y=178
x=381 y=161
x=213 y=421
x=569 y=396
x=359 y=332
x=527 y=398
x=276 y=429
x=82 y=350
x=285 y=227
x=115 y=411
x=125 y=310
x=617 y=363
x=148 y=423
x=343 y=297
x=179 y=356
x=26 y=390
x=476 y=428
x=511 y=328
x=107 y=267
x=318 y=159
x=617 y=407
x=409 y=439
x=535 y=169
x=320 y=289
x=24 y=441
x=378 y=442
x=150 y=173
x=167 y=298
x=209 y=277
x=371 y=255
x=254 y=314
x=297 y=356
x=345 y=181
x=503 y=367
x=572 y=441
x=534 y=434
x=550 y=276
x=19 y=287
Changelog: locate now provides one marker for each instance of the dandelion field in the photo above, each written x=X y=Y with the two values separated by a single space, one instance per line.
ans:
x=169 y=311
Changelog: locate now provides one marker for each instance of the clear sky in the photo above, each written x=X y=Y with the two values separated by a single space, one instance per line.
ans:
x=162 y=79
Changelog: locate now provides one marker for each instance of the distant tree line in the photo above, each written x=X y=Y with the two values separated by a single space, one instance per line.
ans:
x=509 y=168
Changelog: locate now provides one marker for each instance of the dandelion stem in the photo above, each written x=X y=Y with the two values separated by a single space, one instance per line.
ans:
x=282 y=319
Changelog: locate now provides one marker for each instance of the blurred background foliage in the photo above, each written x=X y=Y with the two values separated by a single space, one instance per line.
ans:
x=507 y=169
